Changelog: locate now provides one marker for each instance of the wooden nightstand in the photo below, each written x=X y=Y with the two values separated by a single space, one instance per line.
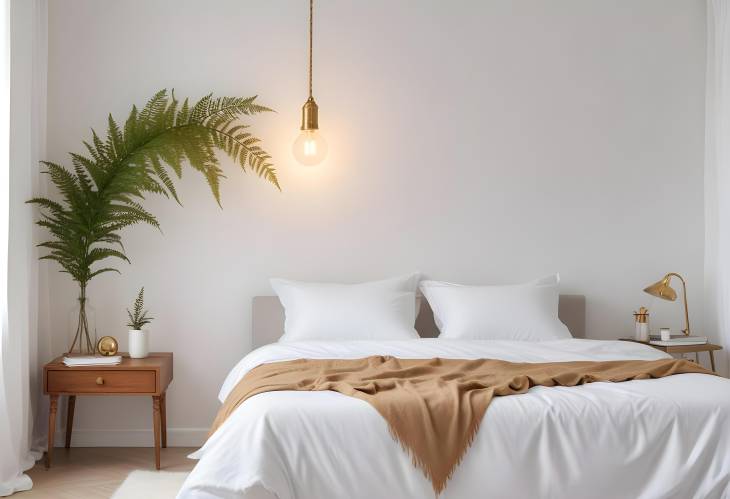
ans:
x=148 y=376
x=696 y=349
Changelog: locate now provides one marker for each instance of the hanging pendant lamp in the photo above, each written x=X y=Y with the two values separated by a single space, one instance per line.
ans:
x=310 y=148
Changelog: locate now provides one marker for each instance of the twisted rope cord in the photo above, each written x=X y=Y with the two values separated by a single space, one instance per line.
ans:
x=311 y=11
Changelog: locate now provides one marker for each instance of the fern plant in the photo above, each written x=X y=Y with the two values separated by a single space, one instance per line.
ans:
x=103 y=192
x=138 y=319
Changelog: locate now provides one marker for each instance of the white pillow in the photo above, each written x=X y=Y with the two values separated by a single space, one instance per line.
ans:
x=518 y=312
x=378 y=310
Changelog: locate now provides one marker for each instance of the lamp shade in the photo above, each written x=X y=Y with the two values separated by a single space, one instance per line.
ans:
x=662 y=289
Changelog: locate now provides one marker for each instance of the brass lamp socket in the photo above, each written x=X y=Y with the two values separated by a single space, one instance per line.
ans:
x=310 y=115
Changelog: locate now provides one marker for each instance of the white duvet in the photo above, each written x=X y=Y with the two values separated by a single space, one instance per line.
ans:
x=663 y=438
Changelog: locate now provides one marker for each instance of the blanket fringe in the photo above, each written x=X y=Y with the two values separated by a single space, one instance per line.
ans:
x=438 y=486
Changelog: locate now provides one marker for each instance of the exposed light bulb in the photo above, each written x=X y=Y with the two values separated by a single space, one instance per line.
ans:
x=310 y=148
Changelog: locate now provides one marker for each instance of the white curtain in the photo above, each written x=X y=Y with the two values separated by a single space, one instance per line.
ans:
x=717 y=174
x=22 y=138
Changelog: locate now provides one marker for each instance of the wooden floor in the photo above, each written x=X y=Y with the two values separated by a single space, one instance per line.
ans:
x=96 y=472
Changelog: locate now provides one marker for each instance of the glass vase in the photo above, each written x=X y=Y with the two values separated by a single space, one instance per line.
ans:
x=83 y=342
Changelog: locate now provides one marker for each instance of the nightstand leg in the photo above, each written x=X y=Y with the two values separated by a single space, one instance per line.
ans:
x=51 y=428
x=712 y=359
x=163 y=417
x=70 y=419
x=156 y=423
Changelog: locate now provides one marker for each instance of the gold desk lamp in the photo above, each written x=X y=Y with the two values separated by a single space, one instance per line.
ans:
x=663 y=290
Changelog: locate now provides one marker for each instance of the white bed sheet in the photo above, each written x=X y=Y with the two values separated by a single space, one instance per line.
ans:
x=663 y=438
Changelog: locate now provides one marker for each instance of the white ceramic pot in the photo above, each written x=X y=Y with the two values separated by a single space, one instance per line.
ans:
x=139 y=346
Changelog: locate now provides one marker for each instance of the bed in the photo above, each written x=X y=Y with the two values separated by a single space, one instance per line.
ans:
x=659 y=438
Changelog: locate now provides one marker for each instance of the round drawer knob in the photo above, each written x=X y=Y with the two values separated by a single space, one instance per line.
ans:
x=99 y=380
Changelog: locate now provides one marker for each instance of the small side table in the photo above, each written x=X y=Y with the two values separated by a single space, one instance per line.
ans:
x=149 y=376
x=696 y=349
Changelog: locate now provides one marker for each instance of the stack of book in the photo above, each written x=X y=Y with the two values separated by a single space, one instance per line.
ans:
x=677 y=340
x=92 y=360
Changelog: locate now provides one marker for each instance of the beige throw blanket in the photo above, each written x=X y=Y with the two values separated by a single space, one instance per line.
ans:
x=434 y=406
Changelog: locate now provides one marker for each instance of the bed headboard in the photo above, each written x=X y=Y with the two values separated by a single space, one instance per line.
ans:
x=268 y=318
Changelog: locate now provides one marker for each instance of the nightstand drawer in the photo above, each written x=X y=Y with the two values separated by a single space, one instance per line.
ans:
x=102 y=381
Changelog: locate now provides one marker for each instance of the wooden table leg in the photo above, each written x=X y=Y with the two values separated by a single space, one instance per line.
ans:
x=163 y=417
x=156 y=424
x=712 y=359
x=70 y=419
x=51 y=428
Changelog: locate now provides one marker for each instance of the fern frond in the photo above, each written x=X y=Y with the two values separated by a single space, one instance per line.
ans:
x=48 y=204
x=138 y=318
x=102 y=193
x=101 y=271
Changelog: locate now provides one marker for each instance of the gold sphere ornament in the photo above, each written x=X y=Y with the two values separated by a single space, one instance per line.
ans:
x=107 y=346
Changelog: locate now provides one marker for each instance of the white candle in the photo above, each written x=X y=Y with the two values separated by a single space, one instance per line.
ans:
x=666 y=333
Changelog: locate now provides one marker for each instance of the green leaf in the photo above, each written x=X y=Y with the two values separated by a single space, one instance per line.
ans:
x=103 y=192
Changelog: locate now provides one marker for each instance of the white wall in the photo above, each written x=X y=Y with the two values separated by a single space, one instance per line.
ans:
x=474 y=141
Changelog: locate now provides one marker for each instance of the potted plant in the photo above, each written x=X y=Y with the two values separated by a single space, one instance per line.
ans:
x=104 y=191
x=139 y=346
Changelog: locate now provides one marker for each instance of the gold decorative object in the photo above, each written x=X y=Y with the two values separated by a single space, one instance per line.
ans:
x=642 y=316
x=642 y=324
x=310 y=148
x=662 y=289
x=107 y=346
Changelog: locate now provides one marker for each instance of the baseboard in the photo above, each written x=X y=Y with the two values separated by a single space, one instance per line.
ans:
x=176 y=437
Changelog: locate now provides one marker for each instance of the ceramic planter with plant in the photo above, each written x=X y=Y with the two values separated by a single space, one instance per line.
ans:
x=139 y=343
x=104 y=191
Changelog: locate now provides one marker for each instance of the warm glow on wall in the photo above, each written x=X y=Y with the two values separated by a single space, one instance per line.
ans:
x=310 y=148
